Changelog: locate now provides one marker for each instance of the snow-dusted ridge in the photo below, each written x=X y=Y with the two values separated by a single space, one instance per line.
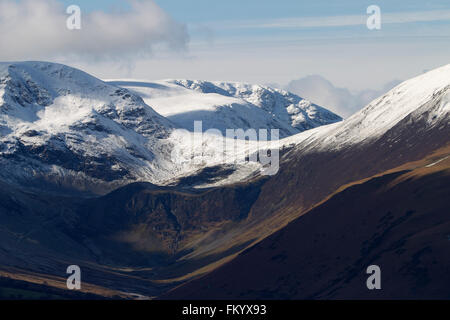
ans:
x=427 y=95
x=62 y=125
x=230 y=105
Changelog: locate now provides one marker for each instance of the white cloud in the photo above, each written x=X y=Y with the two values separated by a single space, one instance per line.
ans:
x=339 y=100
x=36 y=29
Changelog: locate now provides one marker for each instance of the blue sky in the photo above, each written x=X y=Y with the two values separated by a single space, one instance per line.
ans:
x=210 y=10
x=268 y=41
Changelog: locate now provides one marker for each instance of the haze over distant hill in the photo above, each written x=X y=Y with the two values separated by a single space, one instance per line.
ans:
x=339 y=100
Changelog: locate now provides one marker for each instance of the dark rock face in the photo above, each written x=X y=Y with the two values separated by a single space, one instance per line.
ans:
x=164 y=219
x=56 y=152
x=25 y=91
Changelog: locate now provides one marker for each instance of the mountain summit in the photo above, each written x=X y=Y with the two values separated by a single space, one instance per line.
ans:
x=60 y=123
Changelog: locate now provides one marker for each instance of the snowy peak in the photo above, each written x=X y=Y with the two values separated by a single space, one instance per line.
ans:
x=227 y=105
x=28 y=83
x=428 y=93
x=32 y=90
x=424 y=99
x=290 y=108
x=408 y=97
x=53 y=98
x=56 y=120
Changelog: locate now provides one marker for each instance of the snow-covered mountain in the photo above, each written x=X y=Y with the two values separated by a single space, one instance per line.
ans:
x=63 y=126
x=424 y=98
x=230 y=105
x=58 y=123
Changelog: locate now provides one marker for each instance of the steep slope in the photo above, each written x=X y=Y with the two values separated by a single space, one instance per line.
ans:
x=398 y=221
x=405 y=126
x=226 y=105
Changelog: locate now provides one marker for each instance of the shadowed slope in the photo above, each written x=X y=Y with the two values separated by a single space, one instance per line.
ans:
x=398 y=221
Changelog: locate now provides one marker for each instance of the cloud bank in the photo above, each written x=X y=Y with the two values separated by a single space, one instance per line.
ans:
x=342 y=20
x=36 y=29
x=339 y=100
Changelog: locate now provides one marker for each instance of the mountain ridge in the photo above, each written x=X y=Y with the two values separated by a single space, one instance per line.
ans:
x=230 y=105
x=64 y=129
